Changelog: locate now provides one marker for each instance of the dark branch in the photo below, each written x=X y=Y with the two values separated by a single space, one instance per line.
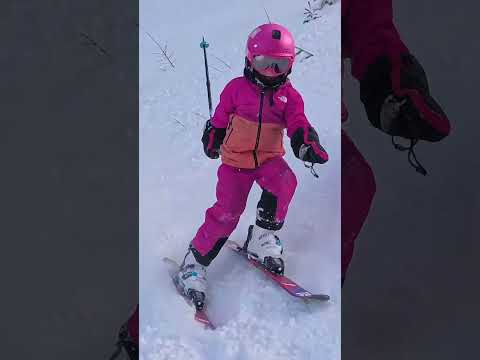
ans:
x=216 y=57
x=300 y=50
x=89 y=41
x=161 y=49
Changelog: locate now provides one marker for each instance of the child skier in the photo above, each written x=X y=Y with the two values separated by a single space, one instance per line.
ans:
x=247 y=131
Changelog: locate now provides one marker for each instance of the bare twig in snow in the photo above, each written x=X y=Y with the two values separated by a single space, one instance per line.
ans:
x=178 y=121
x=214 y=68
x=300 y=50
x=163 y=50
x=200 y=115
x=223 y=62
x=311 y=12
x=165 y=61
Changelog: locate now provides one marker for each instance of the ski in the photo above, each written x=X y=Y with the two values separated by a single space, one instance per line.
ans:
x=200 y=314
x=287 y=284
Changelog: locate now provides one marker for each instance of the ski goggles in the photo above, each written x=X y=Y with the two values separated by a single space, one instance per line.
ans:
x=271 y=66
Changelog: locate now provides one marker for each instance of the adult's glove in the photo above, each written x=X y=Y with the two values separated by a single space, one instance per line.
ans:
x=306 y=146
x=212 y=139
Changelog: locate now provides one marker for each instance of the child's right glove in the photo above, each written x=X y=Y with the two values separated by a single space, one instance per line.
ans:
x=306 y=146
x=212 y=139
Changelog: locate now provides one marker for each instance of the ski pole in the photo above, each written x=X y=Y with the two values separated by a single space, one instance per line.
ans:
x=204 y=46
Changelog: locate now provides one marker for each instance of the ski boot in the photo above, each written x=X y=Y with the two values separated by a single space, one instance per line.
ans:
x=192 y=280
x=264 y=246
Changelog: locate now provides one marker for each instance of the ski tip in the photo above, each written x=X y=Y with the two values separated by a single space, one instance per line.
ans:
x=210 y=326
x=201 y=317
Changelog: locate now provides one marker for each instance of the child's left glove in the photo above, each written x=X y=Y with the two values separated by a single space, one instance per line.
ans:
x=306 y=146
x=212 y=139
x=397 y=100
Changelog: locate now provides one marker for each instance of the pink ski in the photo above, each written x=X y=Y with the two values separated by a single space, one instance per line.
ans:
x=202 y=317
x=287 y=284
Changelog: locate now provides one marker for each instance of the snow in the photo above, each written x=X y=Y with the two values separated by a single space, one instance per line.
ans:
x=255 y=319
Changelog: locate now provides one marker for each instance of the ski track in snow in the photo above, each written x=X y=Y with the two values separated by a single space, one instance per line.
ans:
x=255 y=319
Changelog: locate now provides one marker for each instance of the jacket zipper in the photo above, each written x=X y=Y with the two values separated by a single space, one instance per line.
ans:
x=262 y=94
x=229 y=127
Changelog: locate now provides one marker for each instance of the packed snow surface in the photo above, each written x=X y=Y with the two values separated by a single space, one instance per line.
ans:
x=255 y=319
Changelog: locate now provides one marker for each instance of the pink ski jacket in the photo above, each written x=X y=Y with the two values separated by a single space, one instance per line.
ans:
x=368 y=31
x=255 y=120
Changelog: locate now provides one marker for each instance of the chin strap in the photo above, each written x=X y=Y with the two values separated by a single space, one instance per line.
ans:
x=412 y=158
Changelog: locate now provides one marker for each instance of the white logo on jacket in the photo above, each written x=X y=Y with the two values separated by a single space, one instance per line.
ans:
x=283 y=99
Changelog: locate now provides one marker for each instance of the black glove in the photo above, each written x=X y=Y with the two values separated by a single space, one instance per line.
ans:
x=306 y=146
x=212 y=139
x=397 y=100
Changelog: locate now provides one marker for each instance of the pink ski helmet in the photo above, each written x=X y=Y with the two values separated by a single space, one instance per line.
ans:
x=271 y=49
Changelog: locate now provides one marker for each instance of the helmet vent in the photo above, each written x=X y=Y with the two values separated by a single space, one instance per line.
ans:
x=276 y=34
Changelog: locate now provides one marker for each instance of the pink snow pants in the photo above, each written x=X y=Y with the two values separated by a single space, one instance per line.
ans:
x=278 y=183
x=358 y=189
